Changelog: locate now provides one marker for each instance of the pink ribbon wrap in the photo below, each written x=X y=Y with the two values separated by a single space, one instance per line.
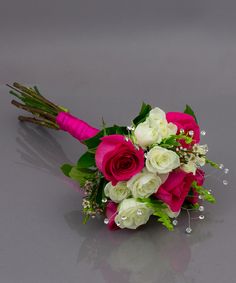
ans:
x=76 y=127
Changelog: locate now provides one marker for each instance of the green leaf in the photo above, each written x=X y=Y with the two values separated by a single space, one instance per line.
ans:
x=170 y=142
x=81 y=175
x=173 y=141
x=206 y=195
x=66 y=168
x=86 y=218
x=212 y=163
x=145 y=109
x=164 y=219
x=93 y=142
x=189 y=110
x=87 y=160
x=100 y=191
x=152 y=203
x=159 y=210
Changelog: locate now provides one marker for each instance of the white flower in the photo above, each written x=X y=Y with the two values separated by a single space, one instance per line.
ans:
x=161 y=160
x=190 y=167
x=200 y=161
x=154 y=129
x=146 y=135
x=193 y=163
x=200 y=149
x=118 y=192
x=144 y=184
x=172 y=129
x=171 y=213
x=132 y=214
x=156 y=115
x=157 y=120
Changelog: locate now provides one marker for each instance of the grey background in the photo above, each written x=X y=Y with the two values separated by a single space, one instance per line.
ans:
x=103 y=58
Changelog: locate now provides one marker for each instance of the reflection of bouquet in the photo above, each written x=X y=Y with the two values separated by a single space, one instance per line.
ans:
x=130 y=173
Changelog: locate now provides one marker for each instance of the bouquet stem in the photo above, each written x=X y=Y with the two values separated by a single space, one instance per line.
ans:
x=32 y=101
x=47 y=114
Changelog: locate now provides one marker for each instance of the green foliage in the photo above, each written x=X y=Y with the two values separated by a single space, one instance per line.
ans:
x=100 y=191
x=87 y=160
x=145 y=109
x=206 y=195
x=173 y=141
x=158 y=208
x=189 y=110
x=164 y=219
x=66 y=168
x=81 y=175
x=93 y=142
x=170 y=142
x=212 y=163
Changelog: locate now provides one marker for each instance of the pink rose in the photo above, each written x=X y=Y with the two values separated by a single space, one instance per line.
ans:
x=118 y=159
x=111 y=211
x=187 y=123
x=199 y=178
x=175 y=189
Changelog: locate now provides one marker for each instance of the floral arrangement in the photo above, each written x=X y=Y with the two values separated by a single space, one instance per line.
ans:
x=128 y=174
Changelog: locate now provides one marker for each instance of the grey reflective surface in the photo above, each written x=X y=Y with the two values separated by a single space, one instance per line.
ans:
x=103 y=58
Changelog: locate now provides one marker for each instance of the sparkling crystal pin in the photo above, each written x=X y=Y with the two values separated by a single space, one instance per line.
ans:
x=225 y=182
x=188 y=230
x=175 y=222
x=226 y=170
x=130 y=128
x=201 y=208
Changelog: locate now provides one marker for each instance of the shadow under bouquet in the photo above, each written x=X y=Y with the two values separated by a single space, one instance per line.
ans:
x=129 y=173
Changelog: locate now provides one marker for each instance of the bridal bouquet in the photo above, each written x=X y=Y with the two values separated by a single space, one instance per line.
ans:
x=129 y=173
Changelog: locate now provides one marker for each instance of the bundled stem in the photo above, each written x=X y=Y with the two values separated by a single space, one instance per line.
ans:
x=32 y=101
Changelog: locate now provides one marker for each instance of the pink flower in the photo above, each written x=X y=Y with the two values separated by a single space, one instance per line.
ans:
x=175 y=189
x=199 y=178
x=111 y=211
x=118 y=159
x=187 y=123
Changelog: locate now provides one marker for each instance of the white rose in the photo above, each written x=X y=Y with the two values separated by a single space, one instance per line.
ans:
x=171 y=213
x=161 y=160
x=132 y=214
x=118 y=192
x=146 y=135
x=156 y=115
x=172 y=129
x=157 y=119
x=144 y=184
x=154 y=129
x=190 y=167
